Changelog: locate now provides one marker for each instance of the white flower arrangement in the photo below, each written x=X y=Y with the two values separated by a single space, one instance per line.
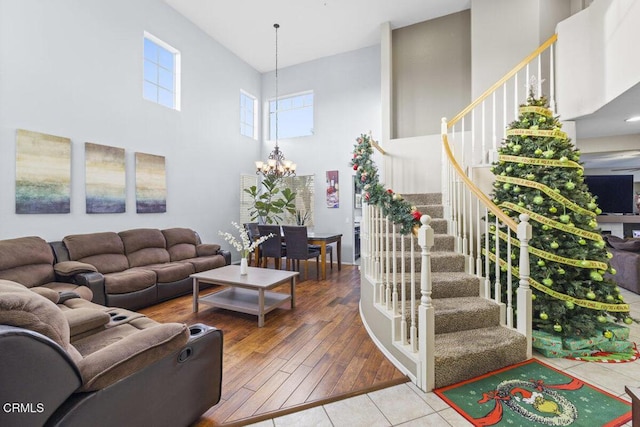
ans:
x=245 y=246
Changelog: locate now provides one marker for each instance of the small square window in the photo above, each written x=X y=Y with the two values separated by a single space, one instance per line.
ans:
x=248 y=115
x=161 y=73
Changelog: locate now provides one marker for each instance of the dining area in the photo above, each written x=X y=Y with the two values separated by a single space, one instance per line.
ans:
x=292 y=244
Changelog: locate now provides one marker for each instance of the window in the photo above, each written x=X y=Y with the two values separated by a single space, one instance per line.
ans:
x=246 y=202
x=161 y=82
x=295 y=116
x=248 y=115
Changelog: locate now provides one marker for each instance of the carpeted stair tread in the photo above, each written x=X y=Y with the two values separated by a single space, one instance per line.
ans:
x=445 y=284
x=447 y=261
x=470 y=353
x=458 y=314
x=454 y=284
x=441 y=242
x=423 y=198
x=440 y=261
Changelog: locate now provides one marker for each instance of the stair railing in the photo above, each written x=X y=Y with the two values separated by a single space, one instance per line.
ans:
x=470 y=142
x=402 y=287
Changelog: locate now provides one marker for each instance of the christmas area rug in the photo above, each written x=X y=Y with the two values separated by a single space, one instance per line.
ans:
x=533 y=393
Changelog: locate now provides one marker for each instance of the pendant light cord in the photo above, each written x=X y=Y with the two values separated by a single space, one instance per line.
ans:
x=276 y=26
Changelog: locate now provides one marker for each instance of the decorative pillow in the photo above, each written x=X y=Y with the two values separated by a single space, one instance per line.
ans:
x=70 y=268
x=631 y=245
x=207 y=249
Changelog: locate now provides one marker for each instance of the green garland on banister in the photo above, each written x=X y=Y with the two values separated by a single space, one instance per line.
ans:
x=392 y=204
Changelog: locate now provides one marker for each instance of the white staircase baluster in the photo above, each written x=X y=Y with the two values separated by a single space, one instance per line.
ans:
x=394 y=277
x=426 y=315
x=525 y=309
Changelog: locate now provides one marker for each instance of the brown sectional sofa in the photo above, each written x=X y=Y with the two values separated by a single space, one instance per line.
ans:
x=69 y=360
x=139 y=267
x=72 y=362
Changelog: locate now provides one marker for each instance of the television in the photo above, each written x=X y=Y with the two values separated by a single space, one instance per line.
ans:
x=615 y=192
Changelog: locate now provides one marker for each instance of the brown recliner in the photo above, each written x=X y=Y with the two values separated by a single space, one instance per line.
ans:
x=30 y=261
x=79 y=364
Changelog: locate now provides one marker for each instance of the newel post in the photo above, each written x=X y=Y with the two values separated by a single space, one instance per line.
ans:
x=525 y=308
x=426 y=311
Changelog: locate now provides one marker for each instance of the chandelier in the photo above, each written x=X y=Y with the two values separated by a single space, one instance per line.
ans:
x=276 y=165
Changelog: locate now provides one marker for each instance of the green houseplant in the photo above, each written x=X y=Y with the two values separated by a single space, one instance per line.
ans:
x=270 y=204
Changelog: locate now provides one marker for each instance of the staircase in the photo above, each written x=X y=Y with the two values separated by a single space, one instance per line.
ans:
x=470 y=339
x=429 y=303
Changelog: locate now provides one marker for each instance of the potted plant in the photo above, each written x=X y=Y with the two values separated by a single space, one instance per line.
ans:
x=270 y=204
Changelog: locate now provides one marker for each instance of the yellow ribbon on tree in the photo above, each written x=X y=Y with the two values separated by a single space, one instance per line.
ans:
x=555 y=224
x=535 y=109
x=548 y=191
x=545 y=133
x=540 y=162
x=593 y=305
x=582 y=263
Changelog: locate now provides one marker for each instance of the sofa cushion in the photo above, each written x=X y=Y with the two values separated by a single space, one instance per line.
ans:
x=205 y=263
x=26 y=260
x=105 y=251
x=144 y=246
x=171 y=272
x=131 y=280
x=23 y=308
x=632 y=245
x=181 y=243
x=207 y=249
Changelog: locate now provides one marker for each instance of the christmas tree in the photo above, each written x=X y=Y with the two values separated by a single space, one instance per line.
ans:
x=538 y=173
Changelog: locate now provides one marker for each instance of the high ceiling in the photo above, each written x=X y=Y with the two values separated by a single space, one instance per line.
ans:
x=309 y=29
x=312 y=29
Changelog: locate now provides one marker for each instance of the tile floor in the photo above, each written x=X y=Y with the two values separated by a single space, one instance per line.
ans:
x=406 y=405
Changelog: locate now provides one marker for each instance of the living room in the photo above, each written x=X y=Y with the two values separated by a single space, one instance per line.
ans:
x=74 y=69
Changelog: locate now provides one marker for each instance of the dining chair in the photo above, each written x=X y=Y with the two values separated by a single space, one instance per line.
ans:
x=298 y=249
x=254 y=234
x=272 y=247
x=329 y=249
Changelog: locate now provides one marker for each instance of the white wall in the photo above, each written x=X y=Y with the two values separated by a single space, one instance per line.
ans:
x=597 y=58
x=503 y=32
x=346 y=104
x=74 y=69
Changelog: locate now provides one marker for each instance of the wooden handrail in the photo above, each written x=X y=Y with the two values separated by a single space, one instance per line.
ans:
x=500 y=82
x=445 y=140
x=378 y=147
x=475 y=190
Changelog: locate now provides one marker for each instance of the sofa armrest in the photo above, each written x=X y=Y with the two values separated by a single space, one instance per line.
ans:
x=132 y=353
x=95 y=282
x=184 y=385
x=226 y=255
x=34 y=370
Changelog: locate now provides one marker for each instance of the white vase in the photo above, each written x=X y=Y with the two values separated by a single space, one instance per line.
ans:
x=244 y=269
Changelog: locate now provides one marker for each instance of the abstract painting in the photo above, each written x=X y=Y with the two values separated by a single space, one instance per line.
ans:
x=151 y=184
x=43 y=173
x=105 y=179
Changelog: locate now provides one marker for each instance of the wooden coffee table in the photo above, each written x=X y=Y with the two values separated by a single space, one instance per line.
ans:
x=246 y=294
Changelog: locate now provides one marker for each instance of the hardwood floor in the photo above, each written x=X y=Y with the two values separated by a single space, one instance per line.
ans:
x=313 y=354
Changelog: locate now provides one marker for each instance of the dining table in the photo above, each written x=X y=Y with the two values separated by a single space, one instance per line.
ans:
x=322 y=239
